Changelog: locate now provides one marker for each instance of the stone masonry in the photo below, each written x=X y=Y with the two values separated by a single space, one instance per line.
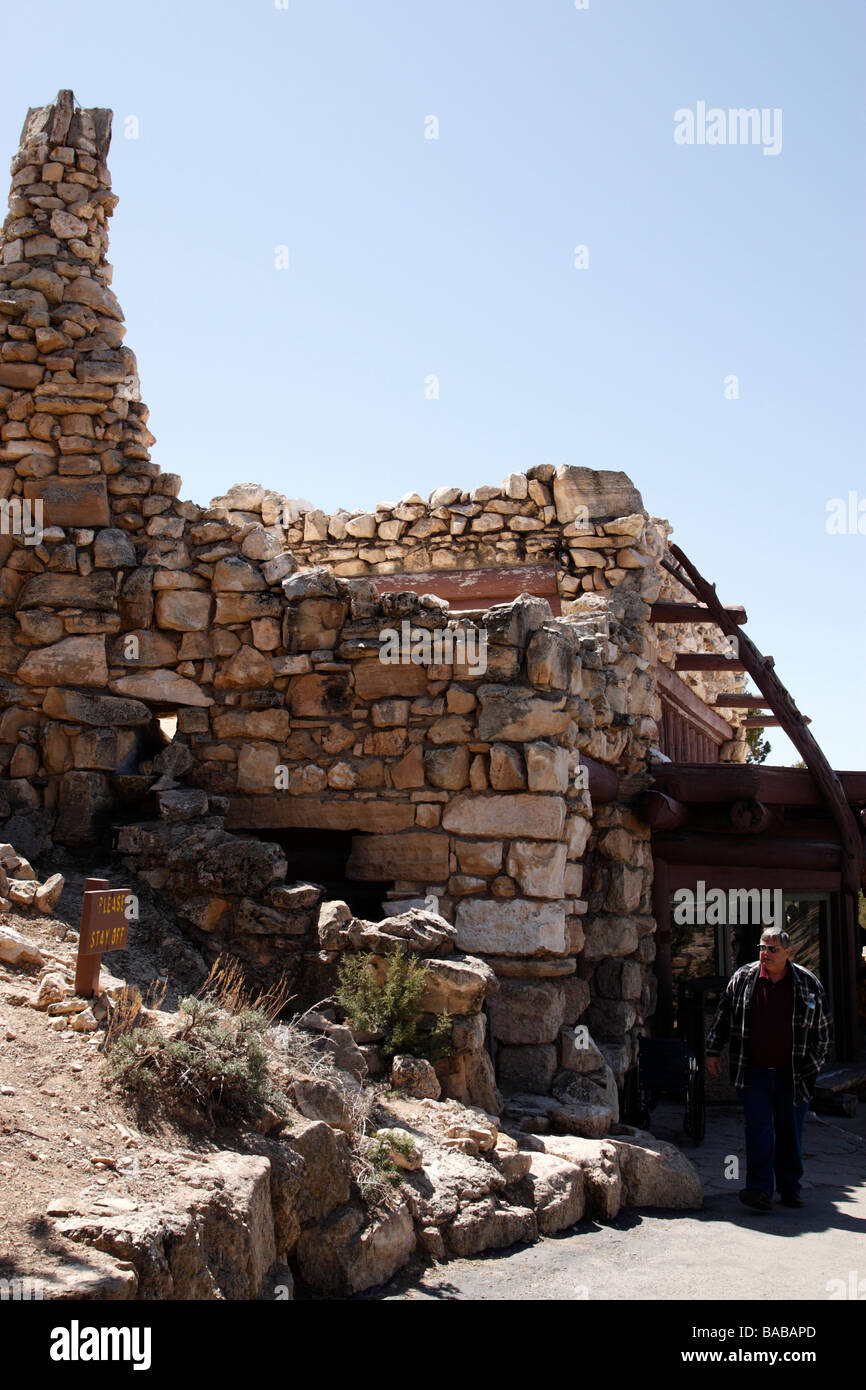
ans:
x=259 y=628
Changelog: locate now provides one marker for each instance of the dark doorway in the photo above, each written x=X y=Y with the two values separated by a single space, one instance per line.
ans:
x=321 y=856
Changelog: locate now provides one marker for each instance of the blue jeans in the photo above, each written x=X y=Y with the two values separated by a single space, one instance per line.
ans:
x=774 y=1131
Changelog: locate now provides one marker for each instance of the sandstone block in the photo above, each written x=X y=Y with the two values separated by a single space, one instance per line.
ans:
x=585 y=493
x=527 y=1012
x=489 y=1225
x=542 y=817
x=71 y=501
x=512 y=927
x=319 y=696
x=599 y=1162
x=457 y=985
x=530 y=1068
x=159 y=686
x=610 y=936
x=92 y=591
x=374 y=680
x=447 y=767
x=506 y=768
x=183 y=610
x=546 y=767
x=72 y=661
x=549 y=660
x=518 y=715
x=417 y=855
x=247 y=669
x=538 y=867
x=256 y=767
x=479 y=856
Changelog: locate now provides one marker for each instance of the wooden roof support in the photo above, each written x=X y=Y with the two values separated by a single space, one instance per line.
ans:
x=666 y=612
x=766 y=721
x=705 y=783
x=740 y=702
x=662 y=812
x=706 y=661
x=794 y=725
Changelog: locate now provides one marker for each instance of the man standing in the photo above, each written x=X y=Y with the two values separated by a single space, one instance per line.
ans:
x=775 y=1016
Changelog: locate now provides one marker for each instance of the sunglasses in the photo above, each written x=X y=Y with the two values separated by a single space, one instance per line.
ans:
x=771 y=949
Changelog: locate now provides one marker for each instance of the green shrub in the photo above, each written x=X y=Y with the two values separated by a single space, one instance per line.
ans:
x=392 y=1008
x=215 y=1062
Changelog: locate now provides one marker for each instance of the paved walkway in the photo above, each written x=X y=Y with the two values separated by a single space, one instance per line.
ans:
x=722 y=1252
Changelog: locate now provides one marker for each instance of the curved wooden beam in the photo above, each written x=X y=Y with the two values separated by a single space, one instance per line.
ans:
x=662 y=812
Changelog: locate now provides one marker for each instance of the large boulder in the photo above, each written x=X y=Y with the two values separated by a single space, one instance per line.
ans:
x=457 y=985
x=16 y=949
x=328 y=1176
x=655 y=1173
x=413 y=930
x=354 y=1249
x=599 y=1163
x=554 y=1189
x=490 y=1224
x=415 y=1077
x=211 y=1238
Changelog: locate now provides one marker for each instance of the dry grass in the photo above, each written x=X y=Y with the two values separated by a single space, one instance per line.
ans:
x=304 y=1055
x=128 y=1010
x=226 y=986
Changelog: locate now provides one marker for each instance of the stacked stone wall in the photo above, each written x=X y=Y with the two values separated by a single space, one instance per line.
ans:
x=263 y=637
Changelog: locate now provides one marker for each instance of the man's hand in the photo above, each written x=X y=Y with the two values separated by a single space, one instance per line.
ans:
x=714 y=1066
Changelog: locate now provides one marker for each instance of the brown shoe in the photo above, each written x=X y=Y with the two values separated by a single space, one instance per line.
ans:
x=758 y=1201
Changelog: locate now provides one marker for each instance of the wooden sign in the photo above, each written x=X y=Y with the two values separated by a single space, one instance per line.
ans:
x=104 y=923
x=104 y=927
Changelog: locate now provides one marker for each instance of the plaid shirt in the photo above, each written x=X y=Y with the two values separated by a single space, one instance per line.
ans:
x=811 y=1026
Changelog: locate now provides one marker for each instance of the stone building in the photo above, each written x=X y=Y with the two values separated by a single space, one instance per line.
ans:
x=484 y=698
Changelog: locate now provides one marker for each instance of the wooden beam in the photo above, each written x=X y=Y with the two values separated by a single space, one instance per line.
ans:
x=466 y=589
x=666 y=612
x=706 y=661
x=766 y=721
x=740 y=702
x=603 y=781
x=752 y=851
x=695 y=783
x=853 y=862
x=791 y=720
x=683 y=698
x=662 y=812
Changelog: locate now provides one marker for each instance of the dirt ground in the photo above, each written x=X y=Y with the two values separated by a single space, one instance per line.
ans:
x=68 y=1142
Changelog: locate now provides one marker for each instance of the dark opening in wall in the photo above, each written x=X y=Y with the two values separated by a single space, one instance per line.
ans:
x=321 y=856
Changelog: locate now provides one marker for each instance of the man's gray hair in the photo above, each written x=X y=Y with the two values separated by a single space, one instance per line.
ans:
x=784 y=938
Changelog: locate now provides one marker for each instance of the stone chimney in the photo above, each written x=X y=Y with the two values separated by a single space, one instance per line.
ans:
x=84 y=515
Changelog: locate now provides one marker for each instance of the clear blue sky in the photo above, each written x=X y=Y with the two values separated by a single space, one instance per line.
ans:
x=261 y=127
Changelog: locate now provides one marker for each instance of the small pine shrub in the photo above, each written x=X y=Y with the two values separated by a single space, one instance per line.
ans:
x=392 y=1007
x=212 y=1061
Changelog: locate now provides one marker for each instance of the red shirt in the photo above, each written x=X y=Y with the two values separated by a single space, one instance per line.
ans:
x=771 y=1031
